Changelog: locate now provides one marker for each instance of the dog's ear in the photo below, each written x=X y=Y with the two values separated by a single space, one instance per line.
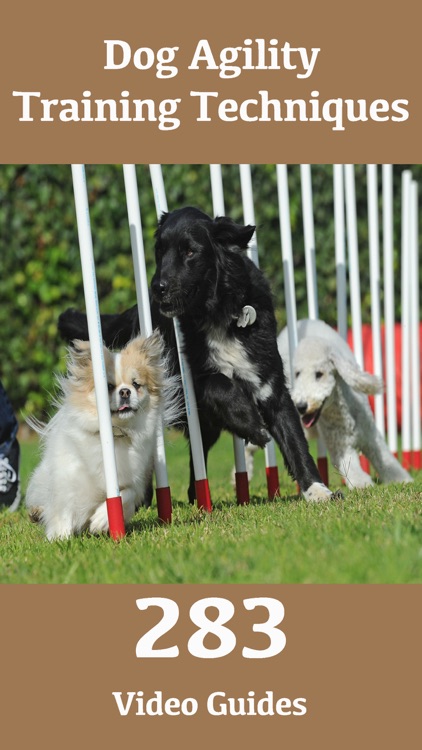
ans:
x=79 y=359
x=228 y=233
x=80 y=351
x=146 y=354
x=151 y=347
x=358 y=379
x=154 y=347
x=163 y=218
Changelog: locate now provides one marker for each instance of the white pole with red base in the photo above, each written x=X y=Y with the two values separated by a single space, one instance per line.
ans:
x=241 y=474
x=311 y=282
x=271 y=468
x=375 y=286
x=354 y=277
x=406 y=406
x=114 y=500
x=287 y=259
x=163 y=494
x=389 y=317
x=203 y=495
x=414 y=327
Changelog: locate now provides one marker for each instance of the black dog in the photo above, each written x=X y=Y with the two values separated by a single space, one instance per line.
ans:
x=225 y=311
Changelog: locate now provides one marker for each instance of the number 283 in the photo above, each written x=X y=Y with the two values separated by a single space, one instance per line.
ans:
x=226 y=638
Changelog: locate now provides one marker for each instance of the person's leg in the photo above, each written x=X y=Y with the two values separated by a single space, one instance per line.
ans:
x=9 y=454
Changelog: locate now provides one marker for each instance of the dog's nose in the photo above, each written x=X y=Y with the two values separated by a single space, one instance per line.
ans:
x=159 y=287
x=124 y=394
x=302 y=407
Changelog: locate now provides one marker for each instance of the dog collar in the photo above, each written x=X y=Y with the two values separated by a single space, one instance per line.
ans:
x=247 y=317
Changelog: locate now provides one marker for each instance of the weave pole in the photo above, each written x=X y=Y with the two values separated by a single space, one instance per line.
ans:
x=309 y=237
x=287 y=258
x=389 y=318
x=113 y=499
x=354 y=278
x=162 y=489
x=203 y=495
x=271 y=468
x=241 y=474
x=375 y=287
x=340 y=249
x=406 y=417
x=353 y=253
x=414 y=327
x=311 y=281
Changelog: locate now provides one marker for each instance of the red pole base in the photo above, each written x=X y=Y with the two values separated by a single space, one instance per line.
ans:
x=116 y=521
x=242 y=487
x=322 y=462
x=203 y=495
x=164 y=508
x=406 y=459
x=416 y=460
x=365 y=464
x=273 y=483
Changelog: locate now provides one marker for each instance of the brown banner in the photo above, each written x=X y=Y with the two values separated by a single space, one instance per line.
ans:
x=348 y=675
x=228 y=82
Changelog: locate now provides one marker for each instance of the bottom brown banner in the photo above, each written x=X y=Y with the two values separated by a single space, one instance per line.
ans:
x=294 y=666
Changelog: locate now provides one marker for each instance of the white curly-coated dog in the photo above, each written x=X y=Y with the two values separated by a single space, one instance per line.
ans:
x=330 y=392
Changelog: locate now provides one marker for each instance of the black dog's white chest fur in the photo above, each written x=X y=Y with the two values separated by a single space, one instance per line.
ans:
x=226 y=354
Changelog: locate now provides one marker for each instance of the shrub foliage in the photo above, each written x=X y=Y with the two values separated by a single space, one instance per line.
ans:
x=41 y=273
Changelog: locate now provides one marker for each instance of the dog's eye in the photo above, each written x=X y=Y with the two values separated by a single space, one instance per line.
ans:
x=297 y=373
x=136 y=385
x=186 y=250
x=318 y=375
x=110 y=387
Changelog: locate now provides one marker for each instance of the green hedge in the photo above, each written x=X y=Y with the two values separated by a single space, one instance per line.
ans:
x=41 y=273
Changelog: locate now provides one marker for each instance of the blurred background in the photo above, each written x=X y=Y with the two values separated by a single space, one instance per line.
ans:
x=40 y=266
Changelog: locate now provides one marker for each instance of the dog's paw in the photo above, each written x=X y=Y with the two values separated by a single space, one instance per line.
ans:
x=98 y=523
x=259 y=436
x=60 y=529
x=35 y=514
x=318 y=493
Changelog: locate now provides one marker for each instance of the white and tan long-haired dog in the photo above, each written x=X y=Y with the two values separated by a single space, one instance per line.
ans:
x=67 y=492
x=330 y=392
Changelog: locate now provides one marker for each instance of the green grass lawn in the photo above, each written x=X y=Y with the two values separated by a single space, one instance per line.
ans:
x=372 y=536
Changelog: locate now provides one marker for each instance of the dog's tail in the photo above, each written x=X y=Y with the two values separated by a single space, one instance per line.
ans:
x=174 y=403
x=117 y=330
x=174 y=414
x=36 y=425
x=43 y=429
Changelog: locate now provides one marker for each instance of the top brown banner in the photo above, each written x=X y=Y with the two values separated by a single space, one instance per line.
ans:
x=227 y=82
